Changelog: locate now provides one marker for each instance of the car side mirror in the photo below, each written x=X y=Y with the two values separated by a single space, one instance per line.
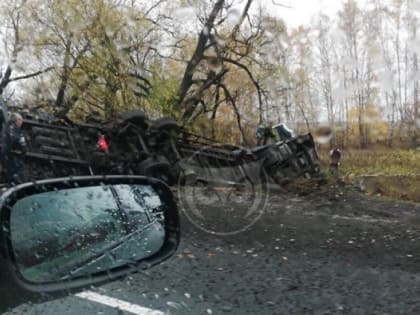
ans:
x=62 y=235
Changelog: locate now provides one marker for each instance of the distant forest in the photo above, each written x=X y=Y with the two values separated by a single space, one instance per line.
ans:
x=221 y=68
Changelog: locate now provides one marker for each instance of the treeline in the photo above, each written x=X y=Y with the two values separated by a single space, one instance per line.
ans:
x=219 y=67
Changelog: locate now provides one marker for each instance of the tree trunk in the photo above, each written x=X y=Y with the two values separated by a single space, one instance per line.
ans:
x=5 y=79
x=197 y=56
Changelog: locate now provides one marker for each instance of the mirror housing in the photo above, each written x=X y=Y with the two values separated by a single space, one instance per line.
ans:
x=19 y=288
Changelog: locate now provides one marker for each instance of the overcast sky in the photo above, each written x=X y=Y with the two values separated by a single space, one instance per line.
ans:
x=301 y=11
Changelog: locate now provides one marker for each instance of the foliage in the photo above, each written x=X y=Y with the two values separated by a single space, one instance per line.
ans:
x=162 y=99
x=382 y=171
x=240 y=67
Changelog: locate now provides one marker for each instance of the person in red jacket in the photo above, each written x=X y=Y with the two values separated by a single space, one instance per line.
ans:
x=102 y=144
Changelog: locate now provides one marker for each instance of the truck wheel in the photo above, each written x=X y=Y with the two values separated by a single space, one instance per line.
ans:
x=166 y=125
x=157 y=167
x=134 y=116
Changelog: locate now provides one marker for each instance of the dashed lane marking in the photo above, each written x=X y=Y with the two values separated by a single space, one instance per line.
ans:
x=119 y=304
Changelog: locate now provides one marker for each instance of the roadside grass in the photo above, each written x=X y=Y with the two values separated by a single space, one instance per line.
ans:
x=393 y=173
x=376 y=162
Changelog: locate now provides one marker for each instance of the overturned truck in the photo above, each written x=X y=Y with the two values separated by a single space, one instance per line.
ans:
x=159 y=148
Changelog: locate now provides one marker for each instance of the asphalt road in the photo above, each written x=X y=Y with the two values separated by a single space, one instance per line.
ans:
x=334 y=252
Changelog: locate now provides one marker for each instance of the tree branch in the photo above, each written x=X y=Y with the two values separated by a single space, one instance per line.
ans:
x=192 y=100
x=236 y=111
x=241 y=20
x=198 y=53
x=31 y=75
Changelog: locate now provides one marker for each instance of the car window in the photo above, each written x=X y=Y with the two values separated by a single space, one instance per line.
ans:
x=44 y=223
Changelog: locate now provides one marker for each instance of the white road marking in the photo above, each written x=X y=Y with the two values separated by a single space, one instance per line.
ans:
x=116 y=303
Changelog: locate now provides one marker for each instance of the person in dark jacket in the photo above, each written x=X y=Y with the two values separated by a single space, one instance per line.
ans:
x=13 y=150
x=335 y=156
x=263 y=134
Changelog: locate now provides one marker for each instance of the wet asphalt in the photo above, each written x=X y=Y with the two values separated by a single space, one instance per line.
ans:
x=330 y=252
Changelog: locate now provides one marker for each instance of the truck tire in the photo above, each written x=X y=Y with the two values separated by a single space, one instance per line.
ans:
x=280 y=178
x=166 y=125
x=134 y=116
x=157 y=167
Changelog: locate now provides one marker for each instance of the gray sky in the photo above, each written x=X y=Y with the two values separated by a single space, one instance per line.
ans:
x=301 y=11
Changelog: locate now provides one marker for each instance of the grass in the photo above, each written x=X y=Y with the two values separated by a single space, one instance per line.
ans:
x=376 y=162
x=384 y=172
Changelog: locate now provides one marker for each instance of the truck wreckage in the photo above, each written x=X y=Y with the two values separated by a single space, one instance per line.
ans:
x=159 y=148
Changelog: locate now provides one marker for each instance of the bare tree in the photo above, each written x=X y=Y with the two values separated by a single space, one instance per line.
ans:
x=14 y=41
x=359 y=68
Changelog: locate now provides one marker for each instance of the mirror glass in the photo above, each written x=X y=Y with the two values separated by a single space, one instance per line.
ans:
x=76 y=232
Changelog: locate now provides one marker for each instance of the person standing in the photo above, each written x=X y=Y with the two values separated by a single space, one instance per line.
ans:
x=335 y=156
x=259 y=134
x=102 y=145
x=263 y=134
x=13 y=150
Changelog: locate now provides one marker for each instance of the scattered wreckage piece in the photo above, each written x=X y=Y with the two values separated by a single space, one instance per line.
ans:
x=161 y=149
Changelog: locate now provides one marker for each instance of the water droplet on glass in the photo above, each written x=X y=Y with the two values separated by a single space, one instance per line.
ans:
x=174 y=305
x=89 y=196
x=323 y=134
x=206 y=31
x=233 y=16
x=184 y=13
x=221 y=42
